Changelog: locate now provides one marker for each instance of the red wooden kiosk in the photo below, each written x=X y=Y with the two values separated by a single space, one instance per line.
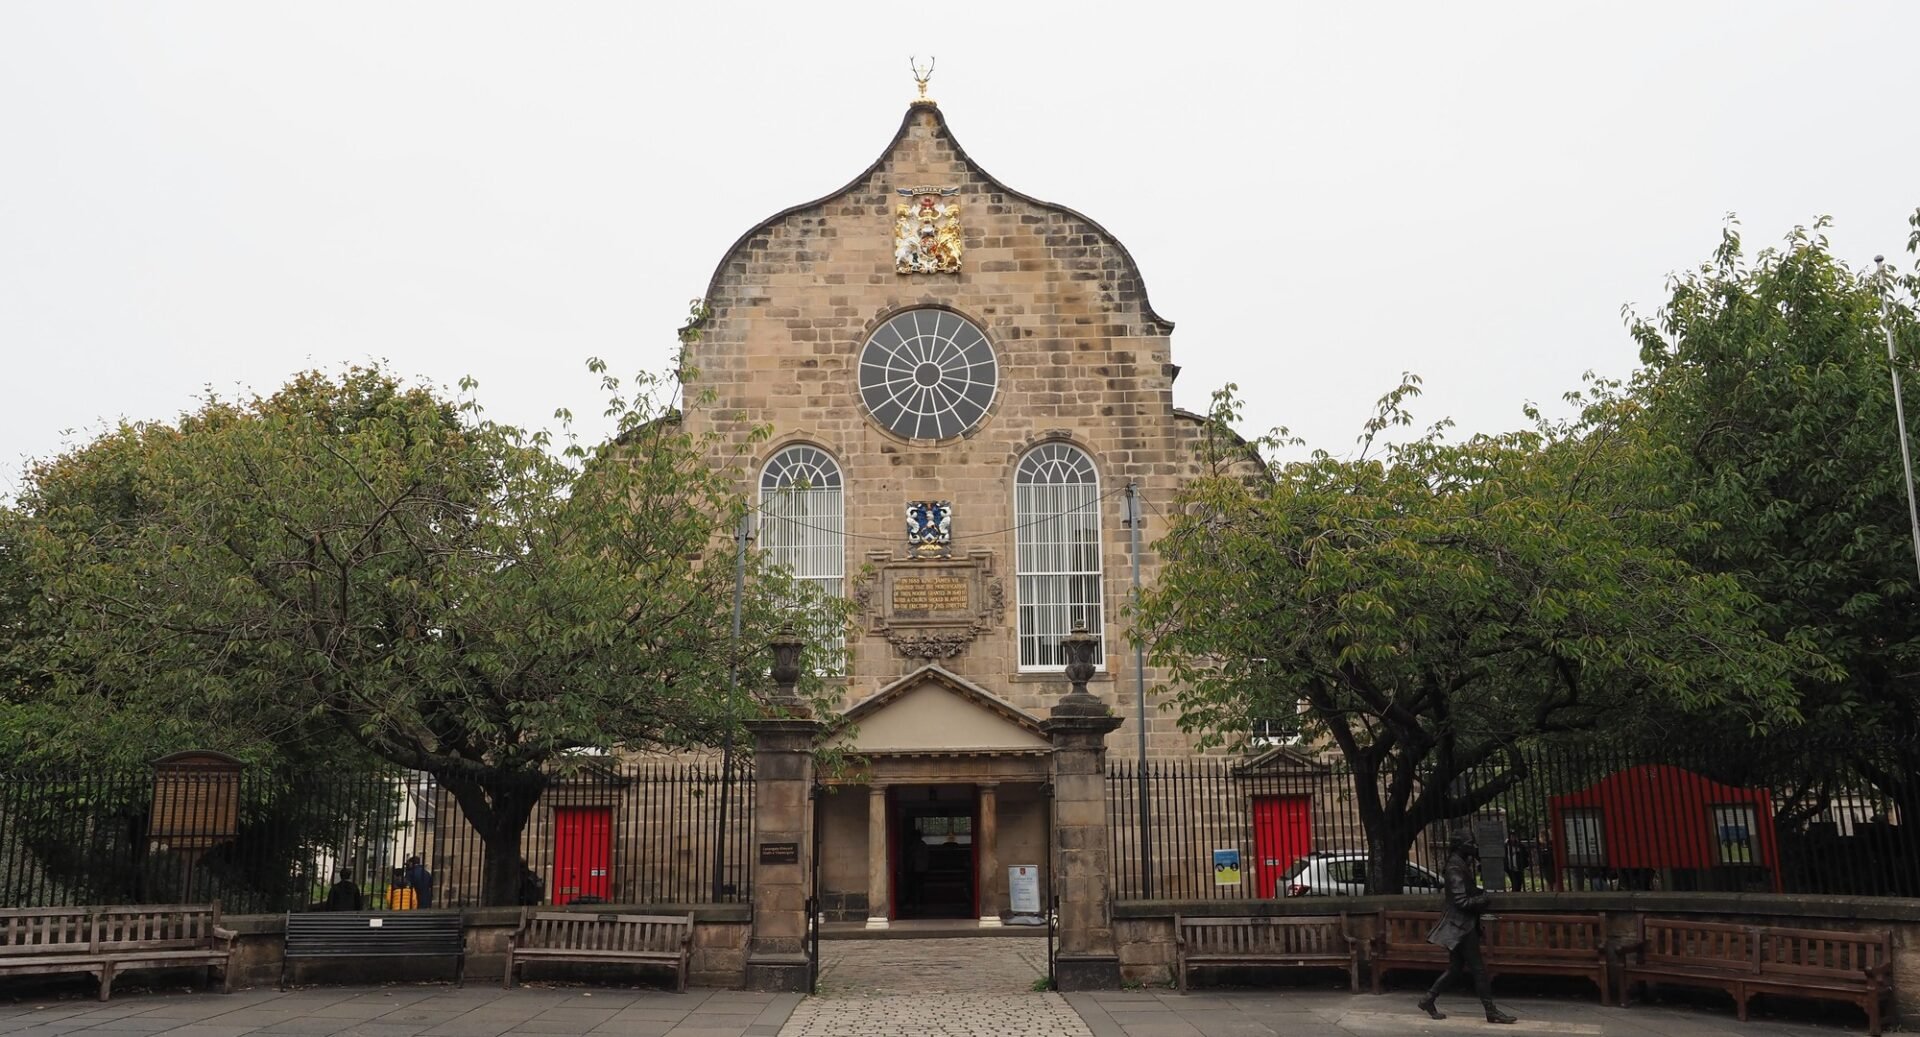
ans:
x=1656 y=820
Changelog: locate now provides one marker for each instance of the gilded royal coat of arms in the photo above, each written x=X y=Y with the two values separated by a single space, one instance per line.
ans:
x=929 y=528
x=926 y=235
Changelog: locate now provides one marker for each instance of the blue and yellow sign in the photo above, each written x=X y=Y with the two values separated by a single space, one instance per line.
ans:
x=1226 y=867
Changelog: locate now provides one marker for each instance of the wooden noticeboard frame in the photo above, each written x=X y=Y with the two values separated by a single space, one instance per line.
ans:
x=196 y=799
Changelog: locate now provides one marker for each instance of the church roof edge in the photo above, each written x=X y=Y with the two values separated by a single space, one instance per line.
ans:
x=1146 y=306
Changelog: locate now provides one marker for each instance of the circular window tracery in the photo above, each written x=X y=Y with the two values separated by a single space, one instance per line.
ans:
x=928 y=374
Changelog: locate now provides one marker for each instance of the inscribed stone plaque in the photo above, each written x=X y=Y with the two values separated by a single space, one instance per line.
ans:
x=931 y=592
x=779 y=853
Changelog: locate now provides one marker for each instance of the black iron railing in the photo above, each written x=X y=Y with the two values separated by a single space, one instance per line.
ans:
x=265 y=841
x=1774 y=817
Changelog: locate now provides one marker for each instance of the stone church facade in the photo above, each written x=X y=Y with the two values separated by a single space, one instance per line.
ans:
x=961 y=383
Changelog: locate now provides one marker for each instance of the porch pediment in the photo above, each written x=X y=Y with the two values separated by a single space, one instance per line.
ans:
x=933 y=710
x=1282 y=760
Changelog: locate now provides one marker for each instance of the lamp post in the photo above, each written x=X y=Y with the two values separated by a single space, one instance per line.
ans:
x=1140 y=692
x=740 y=536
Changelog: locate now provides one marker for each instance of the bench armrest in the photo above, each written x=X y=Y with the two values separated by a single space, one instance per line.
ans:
x=225 y=935
x=1880 y=972
x=1353 y=942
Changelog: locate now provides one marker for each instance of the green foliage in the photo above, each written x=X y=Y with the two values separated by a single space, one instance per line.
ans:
x=362 y=558
x=1766 y=384
x=1429 y=606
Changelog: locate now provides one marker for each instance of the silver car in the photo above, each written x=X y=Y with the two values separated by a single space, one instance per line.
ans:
x=1345 y=875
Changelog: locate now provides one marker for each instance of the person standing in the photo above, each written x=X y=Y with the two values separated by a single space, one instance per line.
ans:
x=532 y=890
x=421 y=880
x=400 y=896
x=1459 y=929
x=345 y=895
x=1518 y=860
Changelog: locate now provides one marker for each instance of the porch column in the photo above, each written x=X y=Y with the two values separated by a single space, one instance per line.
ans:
x=877 y=857
x=1083 y=872
x=986 y=840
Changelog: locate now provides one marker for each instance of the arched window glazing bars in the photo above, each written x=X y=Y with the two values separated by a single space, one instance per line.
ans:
x=802 y=527
x=1056 y=553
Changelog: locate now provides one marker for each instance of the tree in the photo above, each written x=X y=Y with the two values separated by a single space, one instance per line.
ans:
x=1431 y=609
x=1767 y=389
x=448 y=594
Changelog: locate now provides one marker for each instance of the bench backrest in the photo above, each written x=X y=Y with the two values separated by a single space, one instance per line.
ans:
x=1400 y=928
x=579 y=931
x=45 y=930
x=1547 y=936
x=1675 y=941
x=1823 y=952
x=344 y=932
x=1578 y=937
x=156 y=927
x=1282 y=936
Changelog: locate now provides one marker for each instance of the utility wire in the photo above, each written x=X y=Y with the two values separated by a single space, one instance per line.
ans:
x=970 y=536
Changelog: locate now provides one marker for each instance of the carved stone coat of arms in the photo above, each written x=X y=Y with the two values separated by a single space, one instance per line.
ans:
x=926 y=233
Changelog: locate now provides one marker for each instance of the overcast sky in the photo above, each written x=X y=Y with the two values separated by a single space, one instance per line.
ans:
x=1320 y=195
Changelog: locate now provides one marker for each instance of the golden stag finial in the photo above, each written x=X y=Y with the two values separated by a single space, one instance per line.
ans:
x=920 y=78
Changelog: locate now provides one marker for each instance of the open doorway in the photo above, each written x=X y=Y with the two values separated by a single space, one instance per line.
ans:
x=934 y=861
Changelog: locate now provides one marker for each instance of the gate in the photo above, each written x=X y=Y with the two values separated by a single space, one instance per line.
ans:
x=1053 y=899
x=812 y=939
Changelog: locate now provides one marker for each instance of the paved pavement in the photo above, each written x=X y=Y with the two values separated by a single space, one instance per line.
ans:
x=406 y=1011
x=890 y=988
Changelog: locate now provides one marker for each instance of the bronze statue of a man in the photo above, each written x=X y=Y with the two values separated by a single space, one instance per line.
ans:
x=1459 y=929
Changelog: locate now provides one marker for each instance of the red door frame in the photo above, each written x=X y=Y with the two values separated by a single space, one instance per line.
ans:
x=1282 y=826
x=583 y=838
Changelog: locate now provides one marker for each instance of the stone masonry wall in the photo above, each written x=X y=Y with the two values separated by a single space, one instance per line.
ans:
x=1082 y=358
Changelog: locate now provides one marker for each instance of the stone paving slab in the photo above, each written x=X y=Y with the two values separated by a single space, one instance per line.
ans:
x=427 y=1011
x=936 y=1015
x=1317 y=1013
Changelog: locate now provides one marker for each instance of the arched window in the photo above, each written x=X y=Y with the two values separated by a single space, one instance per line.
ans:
x=1057 y=552
x=802 y=522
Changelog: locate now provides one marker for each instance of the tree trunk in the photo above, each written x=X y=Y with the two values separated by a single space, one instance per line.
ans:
x=498 y=810
x=1389 y=836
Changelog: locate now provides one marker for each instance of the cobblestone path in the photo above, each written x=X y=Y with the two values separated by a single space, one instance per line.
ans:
x=938 y=988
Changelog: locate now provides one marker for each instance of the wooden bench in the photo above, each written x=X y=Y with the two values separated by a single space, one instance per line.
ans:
x=1511 y=944
x=104 y=941
x=602 y=939
x=366 y=934
x=1744 y=960
x=1286 y=941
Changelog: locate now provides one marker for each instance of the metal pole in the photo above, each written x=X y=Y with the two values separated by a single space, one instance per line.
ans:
x=1140 y=690
x=733 y=693
x=1899 y=407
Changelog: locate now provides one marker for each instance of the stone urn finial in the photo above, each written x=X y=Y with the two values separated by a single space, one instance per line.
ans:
x=786 y=645
x=1078 y=648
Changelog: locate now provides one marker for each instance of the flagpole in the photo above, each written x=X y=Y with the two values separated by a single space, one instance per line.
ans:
x=1899 y=406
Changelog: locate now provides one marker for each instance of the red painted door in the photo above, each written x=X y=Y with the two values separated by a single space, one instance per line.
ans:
x=1282 y=834
x=582 y=853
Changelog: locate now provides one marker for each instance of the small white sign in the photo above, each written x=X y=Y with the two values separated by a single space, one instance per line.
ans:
x=376 y=923
x=1023 y=889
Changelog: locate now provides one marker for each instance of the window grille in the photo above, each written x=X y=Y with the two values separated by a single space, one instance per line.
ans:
x=802 y=528
x=1057 y=553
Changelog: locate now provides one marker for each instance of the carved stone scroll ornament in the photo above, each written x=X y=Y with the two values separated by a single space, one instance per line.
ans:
x=930 y=645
